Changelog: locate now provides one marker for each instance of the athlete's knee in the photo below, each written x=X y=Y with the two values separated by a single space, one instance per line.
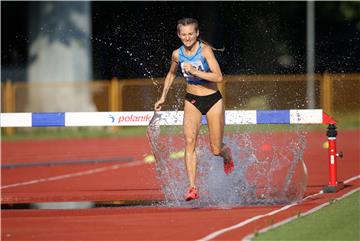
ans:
x=190 y=141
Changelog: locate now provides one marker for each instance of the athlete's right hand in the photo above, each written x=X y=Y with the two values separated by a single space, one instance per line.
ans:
x=157 y=106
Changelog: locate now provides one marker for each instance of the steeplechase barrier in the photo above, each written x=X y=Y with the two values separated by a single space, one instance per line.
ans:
x=143 y=118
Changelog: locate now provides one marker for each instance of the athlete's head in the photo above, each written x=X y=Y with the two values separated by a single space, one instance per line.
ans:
x=188 y=31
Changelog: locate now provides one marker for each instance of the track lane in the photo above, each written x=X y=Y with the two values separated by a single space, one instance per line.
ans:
x=144 y=223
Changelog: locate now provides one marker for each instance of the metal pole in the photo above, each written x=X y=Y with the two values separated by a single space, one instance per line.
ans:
x=310 y=53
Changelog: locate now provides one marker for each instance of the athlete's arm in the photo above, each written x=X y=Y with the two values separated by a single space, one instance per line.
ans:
x=215 y=74
x=171 y=75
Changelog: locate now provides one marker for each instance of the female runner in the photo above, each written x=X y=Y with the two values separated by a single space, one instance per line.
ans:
x=202 y=73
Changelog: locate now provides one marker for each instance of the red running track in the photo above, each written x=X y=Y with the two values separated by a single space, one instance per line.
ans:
x=131 y=179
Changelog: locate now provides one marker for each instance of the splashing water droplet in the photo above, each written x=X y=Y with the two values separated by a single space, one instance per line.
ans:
x=262 y=175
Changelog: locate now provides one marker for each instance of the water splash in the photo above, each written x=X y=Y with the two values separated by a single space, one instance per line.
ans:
x=269 y=168
x=140 y=62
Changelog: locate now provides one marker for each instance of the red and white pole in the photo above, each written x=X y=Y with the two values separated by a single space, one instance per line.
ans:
x=333 y=185
x=332 y=161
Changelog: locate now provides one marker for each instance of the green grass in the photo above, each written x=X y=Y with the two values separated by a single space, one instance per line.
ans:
x=337 y=221
x=36 y=133
x=348 y=120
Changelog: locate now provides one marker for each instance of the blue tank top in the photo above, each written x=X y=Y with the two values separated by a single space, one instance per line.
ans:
x=197 y=60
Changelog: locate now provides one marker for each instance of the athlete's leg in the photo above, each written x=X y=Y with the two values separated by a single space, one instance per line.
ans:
x=216 y=121
x=191 y=125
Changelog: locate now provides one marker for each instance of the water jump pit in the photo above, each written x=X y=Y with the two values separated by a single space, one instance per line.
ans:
x=269 y=167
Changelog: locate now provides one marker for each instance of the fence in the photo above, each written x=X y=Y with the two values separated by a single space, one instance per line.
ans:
x=334 y=92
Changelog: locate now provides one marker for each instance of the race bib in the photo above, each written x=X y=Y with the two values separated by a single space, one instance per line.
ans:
x=197 y=64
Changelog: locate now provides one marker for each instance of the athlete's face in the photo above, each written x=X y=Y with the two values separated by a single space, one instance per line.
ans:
x=188 y=35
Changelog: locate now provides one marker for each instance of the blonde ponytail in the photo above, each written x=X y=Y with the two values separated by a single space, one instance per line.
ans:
x=213 y=48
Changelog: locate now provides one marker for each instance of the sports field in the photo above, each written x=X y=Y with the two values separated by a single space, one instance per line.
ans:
x=120 y=197
x=98 y=142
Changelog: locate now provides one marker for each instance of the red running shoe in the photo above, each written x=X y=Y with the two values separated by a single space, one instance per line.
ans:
x=228 y=161
x=192 y=194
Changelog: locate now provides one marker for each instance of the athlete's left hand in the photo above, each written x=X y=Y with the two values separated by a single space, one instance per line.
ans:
x=189 y=69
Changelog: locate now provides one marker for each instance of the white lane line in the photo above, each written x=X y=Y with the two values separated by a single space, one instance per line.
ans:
x=247 y=221
x=76 y=174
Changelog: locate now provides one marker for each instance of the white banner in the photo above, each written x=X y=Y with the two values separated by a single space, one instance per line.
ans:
x=143 y=118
